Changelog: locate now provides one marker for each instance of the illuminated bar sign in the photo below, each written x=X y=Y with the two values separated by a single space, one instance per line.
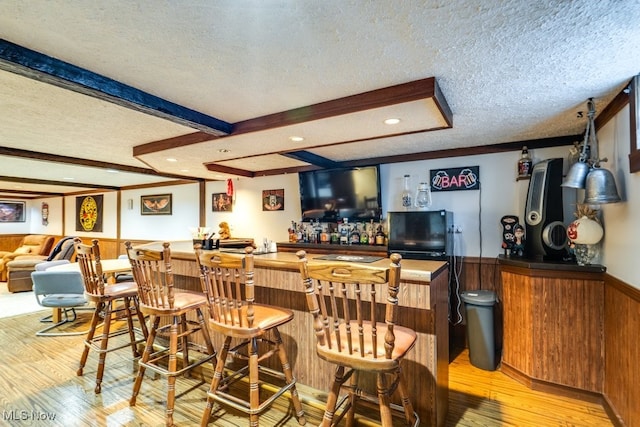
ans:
x=454 y=179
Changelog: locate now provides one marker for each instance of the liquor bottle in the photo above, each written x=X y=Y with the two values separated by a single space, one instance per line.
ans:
x=525 y=164
x=380 y=236
x=364 y=235
x=372 y=234
x=354 y=238
x=292 y=233
x=335 y=236
x=344 y=232
x=324 y=236
x=405 y=196
x=300 y=234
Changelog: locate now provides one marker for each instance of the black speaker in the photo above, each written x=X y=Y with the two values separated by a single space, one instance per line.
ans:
x=545 y=232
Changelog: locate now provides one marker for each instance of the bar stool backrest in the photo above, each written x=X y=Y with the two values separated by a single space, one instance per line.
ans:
x=152 y=273
x=88 y=258
x=349 y=301
x=227 y=281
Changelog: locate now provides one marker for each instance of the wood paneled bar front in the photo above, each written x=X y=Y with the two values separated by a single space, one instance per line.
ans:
x=553 y=317
x=423 y=301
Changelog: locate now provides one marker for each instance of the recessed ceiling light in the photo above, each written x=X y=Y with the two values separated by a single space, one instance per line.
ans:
x=67 y=178
x=171 y=159
x=296 y=138
x=113 y=171
x=184 y=170
x=392 y=121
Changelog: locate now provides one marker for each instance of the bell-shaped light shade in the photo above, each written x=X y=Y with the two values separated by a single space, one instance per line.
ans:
x=600 y=187
x=576 y=176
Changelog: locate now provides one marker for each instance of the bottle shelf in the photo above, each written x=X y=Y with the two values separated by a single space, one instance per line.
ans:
x=323 y=248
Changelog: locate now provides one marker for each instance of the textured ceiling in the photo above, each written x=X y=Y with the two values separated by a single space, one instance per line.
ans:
x=510 y=71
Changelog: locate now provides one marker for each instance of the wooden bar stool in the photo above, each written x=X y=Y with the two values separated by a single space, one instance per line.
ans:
x=111 y=302
x=355 y=325
x=226 y=277
x=159 y=299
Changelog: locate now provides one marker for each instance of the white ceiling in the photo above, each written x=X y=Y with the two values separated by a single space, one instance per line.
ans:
x=510 y=71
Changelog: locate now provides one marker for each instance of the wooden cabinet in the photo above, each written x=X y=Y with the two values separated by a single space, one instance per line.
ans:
x=553 y=323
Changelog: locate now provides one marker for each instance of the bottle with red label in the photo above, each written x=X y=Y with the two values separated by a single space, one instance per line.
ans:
x=525 y=164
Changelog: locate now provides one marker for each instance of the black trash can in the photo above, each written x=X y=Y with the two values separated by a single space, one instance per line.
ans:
x=479 y=306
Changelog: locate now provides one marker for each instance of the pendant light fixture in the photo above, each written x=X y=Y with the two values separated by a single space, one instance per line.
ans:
x=586 y=173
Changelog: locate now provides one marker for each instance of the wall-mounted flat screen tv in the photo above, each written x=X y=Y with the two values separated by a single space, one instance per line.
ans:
x=329 y=195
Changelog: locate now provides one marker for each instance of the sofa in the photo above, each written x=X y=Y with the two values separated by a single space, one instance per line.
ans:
x=38 y=245
x=20 y=268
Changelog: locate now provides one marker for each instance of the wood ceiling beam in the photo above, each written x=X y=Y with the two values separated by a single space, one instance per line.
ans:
x=559 y=141
x=468 y=151
x=213 y=167
x=175 y=142
x=314 y=159
x=397 y=94
x=46 y=157
x=34 y=65
x=52 y=182
x=32 y=194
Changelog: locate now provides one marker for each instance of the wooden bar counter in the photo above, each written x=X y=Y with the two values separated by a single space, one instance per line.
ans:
x=423 y=306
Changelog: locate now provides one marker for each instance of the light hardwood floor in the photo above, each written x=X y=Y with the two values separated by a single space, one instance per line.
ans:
x=39 y=387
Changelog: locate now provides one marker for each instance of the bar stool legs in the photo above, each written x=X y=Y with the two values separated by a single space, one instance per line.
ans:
x=219 y=386
x=101 y=344
x=178 y=331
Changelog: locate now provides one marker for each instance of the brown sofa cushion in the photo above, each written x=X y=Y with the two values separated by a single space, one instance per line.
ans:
x=38 y=244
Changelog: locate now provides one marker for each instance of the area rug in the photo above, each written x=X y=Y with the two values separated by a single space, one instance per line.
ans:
x=13 y=304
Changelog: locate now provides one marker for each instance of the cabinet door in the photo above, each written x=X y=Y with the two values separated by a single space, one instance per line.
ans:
x=517 y=351
x=568 y=332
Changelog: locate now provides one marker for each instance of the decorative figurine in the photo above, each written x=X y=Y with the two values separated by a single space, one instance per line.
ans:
x=518 y=244
x=224 y=232
x=508 y=238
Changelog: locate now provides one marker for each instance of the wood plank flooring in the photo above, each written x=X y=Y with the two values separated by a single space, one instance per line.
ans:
x=39 y=387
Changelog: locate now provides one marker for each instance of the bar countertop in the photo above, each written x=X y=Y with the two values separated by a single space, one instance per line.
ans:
x=539 y=264
x=413 y=270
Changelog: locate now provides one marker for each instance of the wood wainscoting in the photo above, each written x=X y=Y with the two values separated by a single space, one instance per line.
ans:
x=615 y=304
x=622 y=351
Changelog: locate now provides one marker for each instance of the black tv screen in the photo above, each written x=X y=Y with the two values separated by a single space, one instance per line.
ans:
x=329 y=195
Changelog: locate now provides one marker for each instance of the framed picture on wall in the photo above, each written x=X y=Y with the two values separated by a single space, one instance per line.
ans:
x=89 y=213
x=157 y=204
x=12 y=211
x=221 y=202
x=273 y=200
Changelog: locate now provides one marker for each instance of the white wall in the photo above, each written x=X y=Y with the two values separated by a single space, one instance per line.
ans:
x=54 y=221
x=33 y=215
x=621 y=235
x=247 y=218
x=184 y=214
x=478 y=212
